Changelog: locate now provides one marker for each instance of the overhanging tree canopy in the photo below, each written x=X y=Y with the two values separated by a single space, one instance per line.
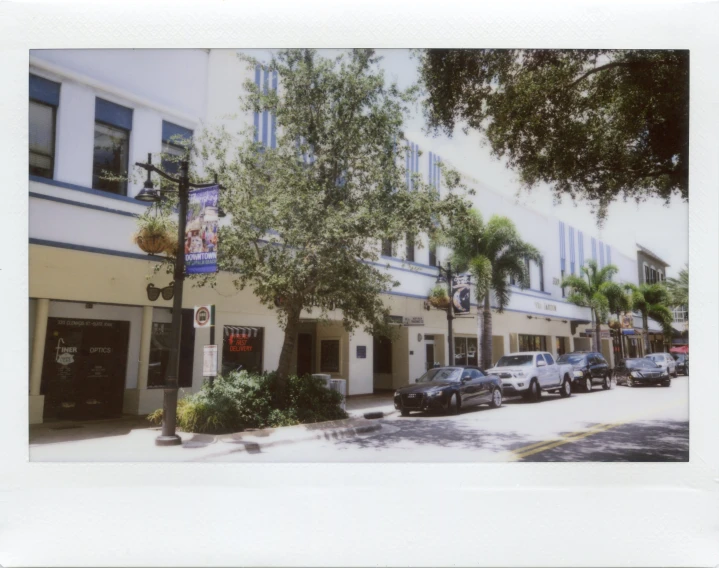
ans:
x=594 y=124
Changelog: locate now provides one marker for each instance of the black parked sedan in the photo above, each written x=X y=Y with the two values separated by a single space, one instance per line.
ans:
x=633 y=372
x=449 y=389
x=682 y=364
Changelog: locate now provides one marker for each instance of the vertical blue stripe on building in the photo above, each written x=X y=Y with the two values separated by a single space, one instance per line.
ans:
x=257 y=114
x=594 y=249
x=273 y=134
x=601 y=254
x=562 y=252
x=580 y=242
x=265 y=85
x=571 y=250
x=609 y=254
x=431 y=170
x=406 y=164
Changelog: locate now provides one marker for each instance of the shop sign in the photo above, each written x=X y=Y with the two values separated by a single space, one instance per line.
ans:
x=201 y=231
x=411 y=321
x=545 y=306
x=209 y=362
x=361 y=352
x=461 y=293
x=204 y=316
x=604 y=333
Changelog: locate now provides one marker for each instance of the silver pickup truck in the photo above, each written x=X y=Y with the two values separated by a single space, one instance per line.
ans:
x=531 y=372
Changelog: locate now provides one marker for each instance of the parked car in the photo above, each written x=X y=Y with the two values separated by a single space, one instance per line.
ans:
x=641 y=371
x=589 y=368
x=665 y=361
x=682 y=363
x=449 y=389
x=529 y=373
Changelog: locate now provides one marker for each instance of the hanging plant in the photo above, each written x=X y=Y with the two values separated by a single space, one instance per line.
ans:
x=155 y=232
x=438 y=297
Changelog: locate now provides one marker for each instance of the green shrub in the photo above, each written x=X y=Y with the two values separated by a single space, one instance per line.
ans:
x=241 y=400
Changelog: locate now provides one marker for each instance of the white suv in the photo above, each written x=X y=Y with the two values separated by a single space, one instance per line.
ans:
x=665 y=361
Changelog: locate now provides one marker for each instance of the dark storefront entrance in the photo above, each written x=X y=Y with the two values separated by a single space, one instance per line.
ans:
x=83 y=374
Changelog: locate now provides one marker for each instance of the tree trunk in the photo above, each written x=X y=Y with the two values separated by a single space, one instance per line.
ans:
x=480 y=335
x=621 y=336
x=597 y=333
x=645 y=331
x=288 y=348
x=487 y=334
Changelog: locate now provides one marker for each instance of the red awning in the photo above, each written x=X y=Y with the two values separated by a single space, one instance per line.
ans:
x=683 y=349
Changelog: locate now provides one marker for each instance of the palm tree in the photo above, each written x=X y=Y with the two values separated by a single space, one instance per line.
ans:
x=651 y=301
x=679 y=288
x=494 y=253
x=591 y=293
x=619 y=297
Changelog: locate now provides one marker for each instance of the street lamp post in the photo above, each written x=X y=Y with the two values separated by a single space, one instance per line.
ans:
x=446 y=273
x=149 y=195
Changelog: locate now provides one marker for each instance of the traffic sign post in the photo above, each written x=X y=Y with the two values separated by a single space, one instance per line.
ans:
x=205 y=317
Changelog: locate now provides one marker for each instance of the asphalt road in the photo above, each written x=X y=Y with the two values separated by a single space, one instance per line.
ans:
x=641 y=424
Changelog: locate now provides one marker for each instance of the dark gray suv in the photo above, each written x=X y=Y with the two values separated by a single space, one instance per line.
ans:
x=590 y=368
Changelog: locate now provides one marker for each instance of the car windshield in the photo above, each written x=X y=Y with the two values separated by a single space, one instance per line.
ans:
x=571 y=359
x=441 y=374
x=515 y=361
x=641 y=364
x=656 y=358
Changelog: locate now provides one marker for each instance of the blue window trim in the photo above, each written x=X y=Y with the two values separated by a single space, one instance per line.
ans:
x=515 y=288
x=169 y=130
x=113 y=114
x=44 y=91
x=85 y=205
x=433 y=275
x=97 y=192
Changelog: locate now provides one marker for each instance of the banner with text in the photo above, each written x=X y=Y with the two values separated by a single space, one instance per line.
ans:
x=201 y=230
x=461 y=294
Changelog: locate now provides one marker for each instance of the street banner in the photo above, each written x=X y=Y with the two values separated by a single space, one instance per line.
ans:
x=461 y=293
x=201 y=231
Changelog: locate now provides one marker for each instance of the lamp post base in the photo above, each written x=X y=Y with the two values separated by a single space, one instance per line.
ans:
x=168 y=441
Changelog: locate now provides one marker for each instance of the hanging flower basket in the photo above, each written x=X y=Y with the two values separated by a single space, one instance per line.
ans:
x=438 y=298
x=151 y=243
x=170 y=245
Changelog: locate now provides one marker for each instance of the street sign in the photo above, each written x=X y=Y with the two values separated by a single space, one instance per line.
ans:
x=209 y=361
x=204 y=316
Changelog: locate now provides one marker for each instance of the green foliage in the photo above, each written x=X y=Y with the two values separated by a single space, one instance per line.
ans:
x=156 y=223
x=307 y=216
x=242 y=400
x=678 y=288
x=596 y=124
x=439 y=292
x=652 y=301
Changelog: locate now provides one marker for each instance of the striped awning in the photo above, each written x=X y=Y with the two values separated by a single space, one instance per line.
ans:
x=241 y=330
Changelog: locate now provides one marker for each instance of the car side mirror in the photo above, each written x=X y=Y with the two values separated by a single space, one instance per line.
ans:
x=541 y=363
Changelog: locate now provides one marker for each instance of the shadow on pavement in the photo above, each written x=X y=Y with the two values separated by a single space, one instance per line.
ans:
x=71 y=431
x=646 y=441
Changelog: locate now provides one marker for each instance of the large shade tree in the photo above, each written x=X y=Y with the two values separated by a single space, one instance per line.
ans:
x=590 y=290
x=651 y=300
x=596 y=124
x=307 y=216
x=494 y=253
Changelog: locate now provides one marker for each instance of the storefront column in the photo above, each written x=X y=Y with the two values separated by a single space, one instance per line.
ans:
x=142 y=400
x=37 y=401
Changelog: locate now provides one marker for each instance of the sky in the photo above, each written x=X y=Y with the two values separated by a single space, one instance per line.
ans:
x=660 y=227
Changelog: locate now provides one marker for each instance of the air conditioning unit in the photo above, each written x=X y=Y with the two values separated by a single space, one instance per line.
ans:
x=340 y=386
x=325 y=378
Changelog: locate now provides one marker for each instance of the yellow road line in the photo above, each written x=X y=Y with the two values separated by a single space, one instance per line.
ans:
x=538 y=447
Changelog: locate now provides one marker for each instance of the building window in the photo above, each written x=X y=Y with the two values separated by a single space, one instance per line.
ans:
x=410 y=248
x=160 y=342
x=44 y=100
x=532 y=342
x=561 y=346
x=541 y=276
x=330 y=356
x=113 y=124
x=382 y=355
x=432 y=253
x=465 y=351
x=387 y=247
x=242 y=348
x=175 y=141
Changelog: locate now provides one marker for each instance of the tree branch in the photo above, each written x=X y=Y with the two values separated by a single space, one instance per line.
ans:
x=615 y=64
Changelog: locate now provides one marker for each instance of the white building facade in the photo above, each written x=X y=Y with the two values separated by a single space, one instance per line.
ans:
x=98 y=345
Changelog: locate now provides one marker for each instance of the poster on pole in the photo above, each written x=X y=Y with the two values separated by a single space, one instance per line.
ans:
x=461 y=293
x=209 y=361
x=201 y=230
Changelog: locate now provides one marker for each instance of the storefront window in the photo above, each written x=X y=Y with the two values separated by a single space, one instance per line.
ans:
x=532 y=342
x=561 y=346
x=382 y=355
x=330 y=356
x=465 y=351
x=242 y=348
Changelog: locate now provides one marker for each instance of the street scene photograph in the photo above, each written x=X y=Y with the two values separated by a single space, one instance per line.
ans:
x=359 y=255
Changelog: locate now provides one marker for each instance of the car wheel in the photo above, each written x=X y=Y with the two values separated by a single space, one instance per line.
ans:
x=607 y=383
x=496 y=398
x=566 y=389
x=675 y=374
x=453 y=405
x=404 y=412
x=534 y=391
x=667 y=383
x=588 y=384
x=630 y=382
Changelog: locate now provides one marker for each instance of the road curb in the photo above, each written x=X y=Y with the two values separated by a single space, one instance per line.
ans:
x=255 y=442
